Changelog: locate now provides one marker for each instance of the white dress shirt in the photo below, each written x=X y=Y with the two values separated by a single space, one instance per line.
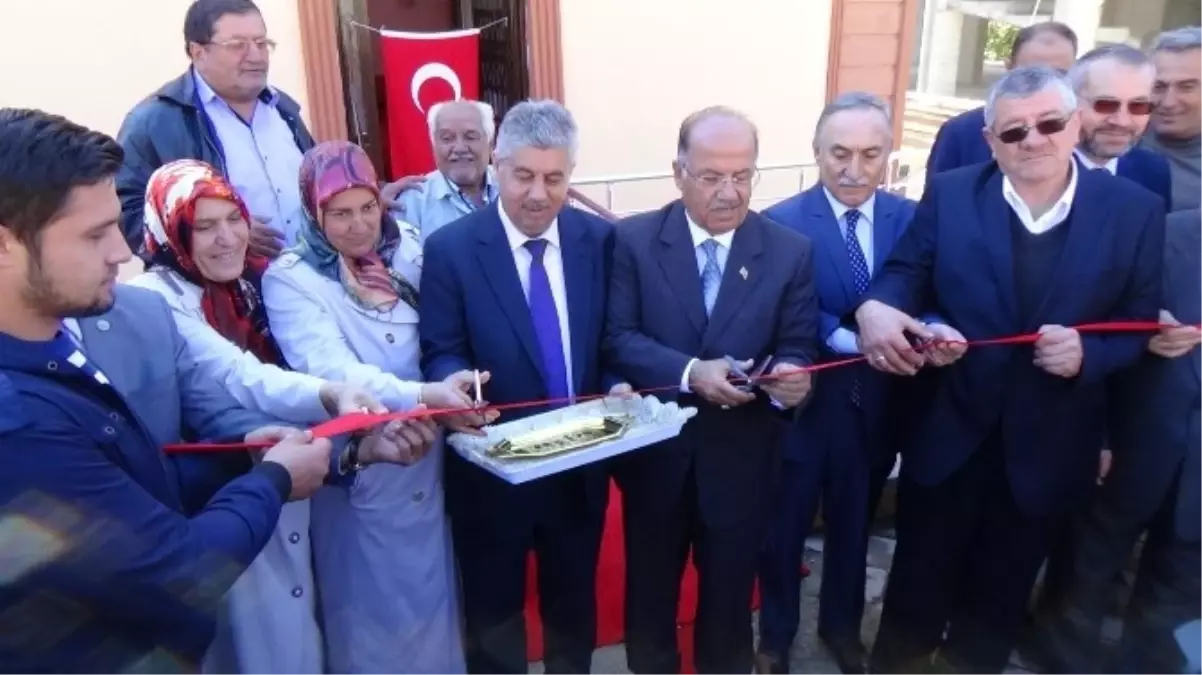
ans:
x=842 y=340
x=1054 y=216
x=553 y=263
x=1111 y=165
x=274 y=391
x=722 y=253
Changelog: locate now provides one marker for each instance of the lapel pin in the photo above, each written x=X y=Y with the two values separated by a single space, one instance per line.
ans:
x=743 y=273
x=102 y=325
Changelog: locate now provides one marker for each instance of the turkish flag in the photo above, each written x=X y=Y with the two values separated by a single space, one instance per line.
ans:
x=420 y=70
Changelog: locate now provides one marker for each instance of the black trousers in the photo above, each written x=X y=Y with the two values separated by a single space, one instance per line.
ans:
x=1166 y=593
x=725 y=555
x=965 y=563
x=492 y=566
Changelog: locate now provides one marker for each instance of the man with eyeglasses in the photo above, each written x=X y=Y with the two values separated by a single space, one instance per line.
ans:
x=1177 y=119
x=1114 y=92
x=959 y=141
x=221 y=111
x=1007 y=444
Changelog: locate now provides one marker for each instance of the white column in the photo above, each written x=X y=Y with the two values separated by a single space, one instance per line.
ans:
x=943 y=57
x=1084 y=17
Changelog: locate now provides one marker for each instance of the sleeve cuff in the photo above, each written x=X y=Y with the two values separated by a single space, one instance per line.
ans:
x=278 y=476
x=684 y=377
x=843 y=341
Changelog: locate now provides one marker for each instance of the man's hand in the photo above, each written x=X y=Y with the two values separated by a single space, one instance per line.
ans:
x=709 y=380
x=946 y=347
x=339 y=398
x=265 y=240
x=621 y=390
x=390 y=192
x=272 y=434
x=306 y=459
x=1173 y=340
x=788 y=385
x=882 y=337
x=1058 y=351
x=402 y=442
x=453 y=394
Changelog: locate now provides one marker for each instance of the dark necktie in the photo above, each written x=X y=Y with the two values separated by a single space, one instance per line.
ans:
x=859 y=274
x=546 y=322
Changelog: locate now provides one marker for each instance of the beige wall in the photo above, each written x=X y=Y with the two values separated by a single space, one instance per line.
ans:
x=92 y=60
x=633 y=69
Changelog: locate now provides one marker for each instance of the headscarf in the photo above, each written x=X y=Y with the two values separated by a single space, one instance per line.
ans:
x=235 y=308
x=328 y=169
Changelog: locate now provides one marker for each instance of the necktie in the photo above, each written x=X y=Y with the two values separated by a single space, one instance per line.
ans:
x=68 y=346
x=859 y=275
x=546 y=322
x=711 y=275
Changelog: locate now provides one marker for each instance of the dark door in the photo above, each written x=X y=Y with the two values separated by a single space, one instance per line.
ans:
x=503 y=76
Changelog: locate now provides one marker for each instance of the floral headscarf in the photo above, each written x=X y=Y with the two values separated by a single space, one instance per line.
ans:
x=234 y=309
x=327 y=170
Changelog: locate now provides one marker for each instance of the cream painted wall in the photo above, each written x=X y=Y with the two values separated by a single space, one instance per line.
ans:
x=93 y=60
x=633 y=69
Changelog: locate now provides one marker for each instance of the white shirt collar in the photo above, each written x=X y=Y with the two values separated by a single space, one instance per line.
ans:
x=1111 y=165
x=700 y=236
x=517 y=239
x=1054 y=216
x=866 y=209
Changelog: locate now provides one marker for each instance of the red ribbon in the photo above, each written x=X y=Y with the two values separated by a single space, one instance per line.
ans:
x=362 y=421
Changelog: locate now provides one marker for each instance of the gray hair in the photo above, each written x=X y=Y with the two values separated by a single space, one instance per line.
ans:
x=1027 y=82
x=1178 y=40
x=487 y=120
x=542 y=125
x=1118 y=53
x=855 y=100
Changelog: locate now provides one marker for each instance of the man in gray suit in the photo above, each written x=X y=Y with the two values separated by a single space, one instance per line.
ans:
x=1153 y=487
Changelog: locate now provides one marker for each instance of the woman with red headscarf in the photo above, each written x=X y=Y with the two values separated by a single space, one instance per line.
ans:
x=343 y=305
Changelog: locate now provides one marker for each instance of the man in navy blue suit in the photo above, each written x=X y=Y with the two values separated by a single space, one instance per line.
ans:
x=961 y=141
x=840 y=449
x=518 y=290
x=1008 y=442
x=696 y=284
x=1114 y=94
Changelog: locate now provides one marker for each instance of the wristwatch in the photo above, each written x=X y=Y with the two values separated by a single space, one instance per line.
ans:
x=348 y=462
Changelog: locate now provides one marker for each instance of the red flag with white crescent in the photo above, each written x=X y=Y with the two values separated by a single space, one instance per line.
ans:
x=420 y=70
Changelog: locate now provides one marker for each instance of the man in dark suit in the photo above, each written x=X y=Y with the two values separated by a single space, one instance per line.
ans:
x=1153 y=487
x=695 y=283
x=518 y=290
x=1114 y=94
x=840 y=449
x=1008 y=443
x=961 y=141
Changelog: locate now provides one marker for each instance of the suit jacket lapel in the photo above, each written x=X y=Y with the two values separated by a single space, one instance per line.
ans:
x=740 y=277
x=499 y=269
x=678 y=259
x=995 y=214
x=103 y=345
x=828 y=238
x=884 y=230
x=578 y=275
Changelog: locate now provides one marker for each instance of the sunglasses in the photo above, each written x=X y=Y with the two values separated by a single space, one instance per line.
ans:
x=1110 y=106
x=1044 y=127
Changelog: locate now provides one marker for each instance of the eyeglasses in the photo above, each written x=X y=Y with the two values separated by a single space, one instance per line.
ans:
x=240 y=45
x=1110 y=106
x=712 y=181
x=1044 y=127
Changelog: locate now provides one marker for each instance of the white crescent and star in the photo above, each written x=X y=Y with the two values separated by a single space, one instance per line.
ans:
x=434 y=71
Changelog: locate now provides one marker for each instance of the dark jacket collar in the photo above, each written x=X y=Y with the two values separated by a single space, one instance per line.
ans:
x=182 y=92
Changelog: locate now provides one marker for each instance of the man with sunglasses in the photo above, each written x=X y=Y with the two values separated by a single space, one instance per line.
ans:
x=959 y=141
x=1007 y=444
x=221 y=111
x=1177 y=119
x=1114 y=93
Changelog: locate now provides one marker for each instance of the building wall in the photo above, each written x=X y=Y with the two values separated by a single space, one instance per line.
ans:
x=92 y=60
x=632 y=70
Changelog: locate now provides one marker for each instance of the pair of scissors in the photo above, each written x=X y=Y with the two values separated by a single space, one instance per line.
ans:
x=749 y=381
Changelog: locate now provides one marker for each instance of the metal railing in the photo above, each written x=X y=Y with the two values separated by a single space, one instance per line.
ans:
x=905 y=176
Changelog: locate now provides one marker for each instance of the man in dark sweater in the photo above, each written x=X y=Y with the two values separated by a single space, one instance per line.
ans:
x=1007 y=445
x=1177 y=121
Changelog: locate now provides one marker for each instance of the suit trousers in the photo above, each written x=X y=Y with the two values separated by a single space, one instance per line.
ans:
x=846 y=480
x=965 y=563
x=1164 y=598
x=657 y=547
x=492 y=565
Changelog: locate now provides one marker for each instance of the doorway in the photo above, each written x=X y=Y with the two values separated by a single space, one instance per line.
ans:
x=504 y=76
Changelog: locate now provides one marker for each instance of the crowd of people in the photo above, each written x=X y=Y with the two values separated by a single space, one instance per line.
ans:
x=286 y=284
